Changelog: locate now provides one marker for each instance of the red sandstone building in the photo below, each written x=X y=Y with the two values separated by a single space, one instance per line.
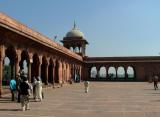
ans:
x=57 y=64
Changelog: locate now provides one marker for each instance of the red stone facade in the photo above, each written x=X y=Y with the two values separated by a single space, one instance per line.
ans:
x=55 y=63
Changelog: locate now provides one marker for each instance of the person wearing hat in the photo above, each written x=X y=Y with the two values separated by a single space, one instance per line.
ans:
x=25 y=93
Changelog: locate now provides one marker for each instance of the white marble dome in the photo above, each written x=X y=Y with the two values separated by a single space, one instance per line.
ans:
x=75 y=32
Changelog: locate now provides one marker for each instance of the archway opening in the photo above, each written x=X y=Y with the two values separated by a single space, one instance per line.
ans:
x=24 y=62
x=56 y=78
x=35 y=67
x=43 y=70
x=93 y=72
x=50 y=71
x=11 y=54
x=102 y=72
x=121 y=73
x=130 y=72
x=112 y=73
x=76 y=50
x=6 y=72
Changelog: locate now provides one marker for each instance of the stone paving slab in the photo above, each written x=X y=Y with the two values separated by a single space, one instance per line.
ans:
x=105 y=99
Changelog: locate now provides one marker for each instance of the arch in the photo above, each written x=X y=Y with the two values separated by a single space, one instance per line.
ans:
x=102 y=72
x=35 y=66
x=6 y=72
x=43 y=70
x=93 y=72
x=111 y=72
x=10 y=52
x=24 y=61
x=72 y=49
x=130 y=72
x=76 y=49
x=121 y=72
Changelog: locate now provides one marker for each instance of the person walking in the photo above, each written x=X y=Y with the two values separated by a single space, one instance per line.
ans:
x=25 y=93
x=86 y=86
x=34 y=87
x=38 y=89
x=18 y=82
x=13 y=88
x=155 y=82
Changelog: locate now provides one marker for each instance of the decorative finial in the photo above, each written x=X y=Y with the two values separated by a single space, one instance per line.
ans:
x=74 y=25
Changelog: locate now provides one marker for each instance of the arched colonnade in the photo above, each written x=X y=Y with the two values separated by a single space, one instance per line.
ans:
x=112 y=72
x=51 y=69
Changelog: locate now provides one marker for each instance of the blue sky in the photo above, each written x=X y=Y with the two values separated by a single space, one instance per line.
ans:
x=112 y=27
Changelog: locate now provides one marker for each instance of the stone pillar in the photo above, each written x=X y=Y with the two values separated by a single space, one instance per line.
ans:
x=18 y=58
x=39 y=66
x=98 y=72
x=29 y=71
x=63 y=76
x=63 y=73
x=80 y=73
x=83 y=49
x=2 y=55
x=60 y=72
x=116 y=68
x=46 y=73
x=106 y=72
x=73 y=72
x=53 y=73
x=30 y=61
x=69 y=72
x=126 y=75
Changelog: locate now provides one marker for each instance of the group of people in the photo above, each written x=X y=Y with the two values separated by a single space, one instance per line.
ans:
x=21 y=90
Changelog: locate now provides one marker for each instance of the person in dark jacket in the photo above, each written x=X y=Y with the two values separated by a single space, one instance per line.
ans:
x=25 y=93
x=18 y=82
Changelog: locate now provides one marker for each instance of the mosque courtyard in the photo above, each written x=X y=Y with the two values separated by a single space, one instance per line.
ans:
x=105 y=99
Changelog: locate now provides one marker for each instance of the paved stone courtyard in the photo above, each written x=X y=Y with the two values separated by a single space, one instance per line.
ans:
x=105 y=99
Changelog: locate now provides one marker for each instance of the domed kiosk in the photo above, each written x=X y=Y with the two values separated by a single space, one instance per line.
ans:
x=75 y=41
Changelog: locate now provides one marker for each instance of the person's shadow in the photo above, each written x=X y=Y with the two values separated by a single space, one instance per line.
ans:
x=6 y=100
x=10 y=109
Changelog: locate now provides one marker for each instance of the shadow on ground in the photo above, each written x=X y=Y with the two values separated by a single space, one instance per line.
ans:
x=9 y=109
